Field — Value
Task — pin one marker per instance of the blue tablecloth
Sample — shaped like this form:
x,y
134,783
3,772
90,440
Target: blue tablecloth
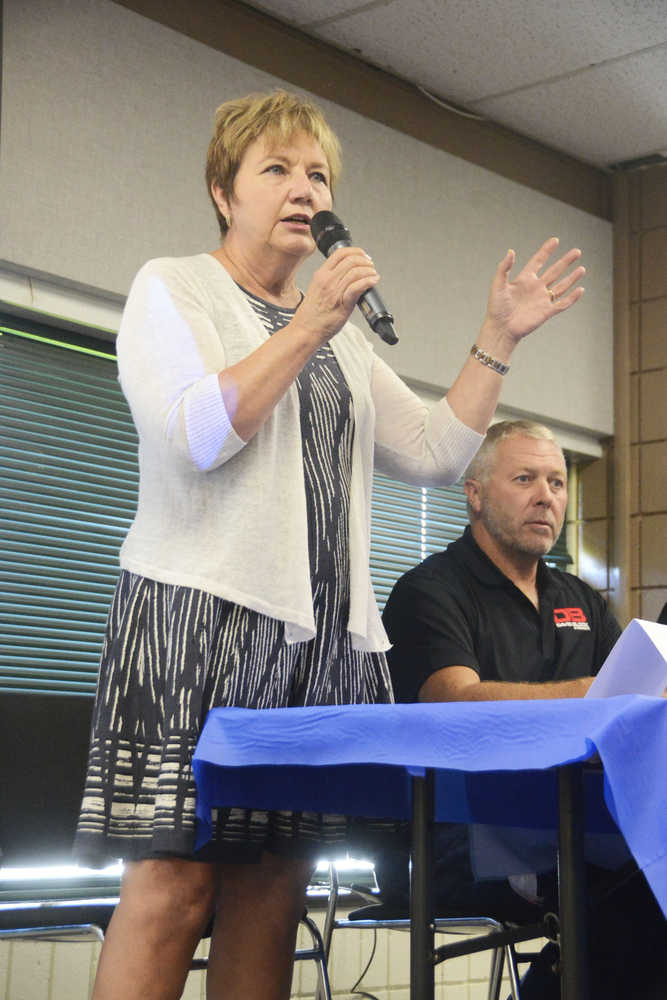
x,y
493,762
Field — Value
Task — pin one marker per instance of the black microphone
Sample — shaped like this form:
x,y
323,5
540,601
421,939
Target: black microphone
x,y
329,233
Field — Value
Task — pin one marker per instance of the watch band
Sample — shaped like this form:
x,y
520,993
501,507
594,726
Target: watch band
x,y
479,355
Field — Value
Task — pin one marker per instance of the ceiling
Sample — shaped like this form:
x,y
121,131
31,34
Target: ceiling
x,y
587,78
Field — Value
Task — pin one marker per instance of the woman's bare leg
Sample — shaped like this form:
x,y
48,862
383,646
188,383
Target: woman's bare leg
x,y
254,936
165,905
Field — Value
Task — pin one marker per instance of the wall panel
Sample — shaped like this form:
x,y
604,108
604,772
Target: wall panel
x,y
106,117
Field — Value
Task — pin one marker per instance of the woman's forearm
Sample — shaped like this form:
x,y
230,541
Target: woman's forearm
x,y
476,390
252,387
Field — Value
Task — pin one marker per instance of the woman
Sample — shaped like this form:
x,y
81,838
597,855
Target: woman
x,y
245,575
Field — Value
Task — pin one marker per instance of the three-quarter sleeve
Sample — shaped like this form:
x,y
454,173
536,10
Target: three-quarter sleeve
x,y
428,446
169,356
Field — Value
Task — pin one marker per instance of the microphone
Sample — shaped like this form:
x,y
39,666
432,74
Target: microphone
x,y
330,233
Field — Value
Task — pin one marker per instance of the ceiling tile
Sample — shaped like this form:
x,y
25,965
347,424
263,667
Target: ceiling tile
x,y
469,49
585,77
302,13
609,114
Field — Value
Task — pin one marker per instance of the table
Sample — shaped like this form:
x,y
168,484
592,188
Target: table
x,y
492,762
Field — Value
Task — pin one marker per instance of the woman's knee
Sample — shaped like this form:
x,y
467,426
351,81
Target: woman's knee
x,y
171,891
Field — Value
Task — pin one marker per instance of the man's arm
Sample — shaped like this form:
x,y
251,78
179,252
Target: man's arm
x,y
464,684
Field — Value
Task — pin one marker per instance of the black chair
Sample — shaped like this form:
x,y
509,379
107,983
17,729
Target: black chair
x,y
43,753
43,757
478,933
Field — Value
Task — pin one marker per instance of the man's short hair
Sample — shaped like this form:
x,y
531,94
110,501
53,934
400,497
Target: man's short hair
x,y
482,464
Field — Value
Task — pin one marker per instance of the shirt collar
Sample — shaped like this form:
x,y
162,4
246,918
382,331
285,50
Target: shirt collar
x,y
488,573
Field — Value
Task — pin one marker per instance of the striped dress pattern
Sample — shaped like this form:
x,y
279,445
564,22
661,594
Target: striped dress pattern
x,y
172,653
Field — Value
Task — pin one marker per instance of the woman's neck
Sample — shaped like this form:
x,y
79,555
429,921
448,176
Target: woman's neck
x,y
265,279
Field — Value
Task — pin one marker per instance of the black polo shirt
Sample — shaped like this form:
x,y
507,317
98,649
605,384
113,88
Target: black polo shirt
x,y
457,609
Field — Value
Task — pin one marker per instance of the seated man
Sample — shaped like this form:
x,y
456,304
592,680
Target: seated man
x,y
486,619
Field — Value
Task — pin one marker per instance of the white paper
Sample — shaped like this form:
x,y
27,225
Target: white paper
x,y
636,665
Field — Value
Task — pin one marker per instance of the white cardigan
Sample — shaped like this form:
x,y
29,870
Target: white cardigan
x,y
229,517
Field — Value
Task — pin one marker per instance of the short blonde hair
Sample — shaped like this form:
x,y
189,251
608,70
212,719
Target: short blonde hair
x,y
482,464
278,116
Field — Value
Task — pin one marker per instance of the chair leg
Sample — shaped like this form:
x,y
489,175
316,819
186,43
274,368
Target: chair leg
x,y
496,973
330,916
317,953
513,972
327,933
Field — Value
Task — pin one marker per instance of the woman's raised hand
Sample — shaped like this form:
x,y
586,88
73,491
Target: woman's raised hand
x,y
334,291
516,308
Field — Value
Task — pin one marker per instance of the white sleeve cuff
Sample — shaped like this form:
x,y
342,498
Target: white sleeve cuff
x,y
211,438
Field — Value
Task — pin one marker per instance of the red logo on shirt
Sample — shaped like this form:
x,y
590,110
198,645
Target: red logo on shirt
x,y
571,618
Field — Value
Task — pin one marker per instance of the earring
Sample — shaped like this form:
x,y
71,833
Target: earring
x,y
228,221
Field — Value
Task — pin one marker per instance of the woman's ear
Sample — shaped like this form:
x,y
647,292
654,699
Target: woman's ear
x,y
220,200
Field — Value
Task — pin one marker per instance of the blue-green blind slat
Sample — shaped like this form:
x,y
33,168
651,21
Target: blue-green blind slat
x,y
69,488
408,523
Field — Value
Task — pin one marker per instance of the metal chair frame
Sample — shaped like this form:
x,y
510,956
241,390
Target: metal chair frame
x,y
500,938
69,920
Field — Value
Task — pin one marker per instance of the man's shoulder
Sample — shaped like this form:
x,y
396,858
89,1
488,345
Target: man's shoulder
x,y
573,595
569,584
439,581
579,609
439,569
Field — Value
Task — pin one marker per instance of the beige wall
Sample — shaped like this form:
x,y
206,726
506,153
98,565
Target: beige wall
x,y
622,497
126,128
261,41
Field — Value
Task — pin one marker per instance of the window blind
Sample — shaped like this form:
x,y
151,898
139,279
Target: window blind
x,y
409,523
68,493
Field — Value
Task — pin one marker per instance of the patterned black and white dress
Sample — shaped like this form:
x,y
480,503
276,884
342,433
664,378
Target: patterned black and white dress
x,y
171,653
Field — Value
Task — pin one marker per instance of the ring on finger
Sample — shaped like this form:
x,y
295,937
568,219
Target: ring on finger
x,y
552,294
